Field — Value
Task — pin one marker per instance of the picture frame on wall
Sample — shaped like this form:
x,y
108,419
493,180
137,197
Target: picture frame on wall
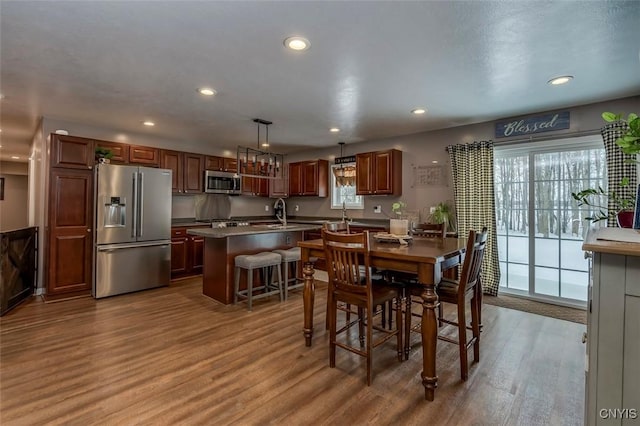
x,y
1,188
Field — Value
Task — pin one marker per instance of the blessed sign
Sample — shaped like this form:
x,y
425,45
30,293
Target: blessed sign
x,y
534,124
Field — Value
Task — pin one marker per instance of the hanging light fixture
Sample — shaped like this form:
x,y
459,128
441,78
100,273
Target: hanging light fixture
x,y
345,174
260,162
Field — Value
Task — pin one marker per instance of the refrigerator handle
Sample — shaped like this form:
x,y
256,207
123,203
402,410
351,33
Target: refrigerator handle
x,y
140,205
134,202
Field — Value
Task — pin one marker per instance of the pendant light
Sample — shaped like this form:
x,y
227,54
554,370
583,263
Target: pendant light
x,y
345,174
260,162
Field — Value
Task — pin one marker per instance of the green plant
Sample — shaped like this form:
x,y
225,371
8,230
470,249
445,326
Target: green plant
x,y
399,208
443,213
629,142
598,198
103,153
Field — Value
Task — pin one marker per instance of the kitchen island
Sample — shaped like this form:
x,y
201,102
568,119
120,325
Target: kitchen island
x,y
222,245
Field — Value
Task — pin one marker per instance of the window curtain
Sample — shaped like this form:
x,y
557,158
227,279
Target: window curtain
x,y
472,172
619,165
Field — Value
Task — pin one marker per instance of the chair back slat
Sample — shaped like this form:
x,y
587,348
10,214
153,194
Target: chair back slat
x,y
476,244
345,254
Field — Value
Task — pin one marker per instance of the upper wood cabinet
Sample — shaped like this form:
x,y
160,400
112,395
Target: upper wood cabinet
x,y
221,164
187,168
72,152
309,178
279,188
379,173
144,155
120,151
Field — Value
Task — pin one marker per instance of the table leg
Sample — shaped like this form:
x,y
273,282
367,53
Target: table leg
x,y
429,340
308,297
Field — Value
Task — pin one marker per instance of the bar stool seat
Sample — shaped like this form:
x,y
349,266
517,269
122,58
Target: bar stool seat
x,y
250,262
290,256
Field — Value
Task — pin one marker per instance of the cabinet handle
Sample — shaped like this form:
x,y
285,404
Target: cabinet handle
x,y
88,229
584,337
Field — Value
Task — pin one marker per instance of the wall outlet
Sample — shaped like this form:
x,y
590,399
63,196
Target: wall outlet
x,y
432,210
297,208
266,208
377,209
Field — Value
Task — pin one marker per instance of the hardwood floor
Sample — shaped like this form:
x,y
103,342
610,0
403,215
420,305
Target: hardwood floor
x,y
173,356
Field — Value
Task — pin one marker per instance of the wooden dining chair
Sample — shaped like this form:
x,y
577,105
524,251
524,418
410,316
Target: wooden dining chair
x,y
345,254
463,291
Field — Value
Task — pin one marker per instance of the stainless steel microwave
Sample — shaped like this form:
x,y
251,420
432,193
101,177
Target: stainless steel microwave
x,y
221,183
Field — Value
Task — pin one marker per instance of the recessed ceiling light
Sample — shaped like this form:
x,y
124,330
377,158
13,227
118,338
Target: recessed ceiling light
x,y
560,80
61,132
15,157
334,130
297,43
206,91
434,161
418,111
149,123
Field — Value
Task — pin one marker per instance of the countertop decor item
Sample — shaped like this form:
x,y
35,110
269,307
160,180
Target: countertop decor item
x,y
444,213
103,155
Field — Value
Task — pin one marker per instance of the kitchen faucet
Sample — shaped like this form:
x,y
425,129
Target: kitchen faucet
x,y
345,218
283,218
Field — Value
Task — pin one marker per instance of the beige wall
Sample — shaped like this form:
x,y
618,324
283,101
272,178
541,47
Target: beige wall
x,y
418,150
14,207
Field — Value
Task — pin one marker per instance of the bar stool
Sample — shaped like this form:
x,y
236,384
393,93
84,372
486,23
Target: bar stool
x,y
290,256
249,262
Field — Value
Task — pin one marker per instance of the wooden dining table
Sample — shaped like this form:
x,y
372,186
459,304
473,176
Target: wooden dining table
x,y
425,257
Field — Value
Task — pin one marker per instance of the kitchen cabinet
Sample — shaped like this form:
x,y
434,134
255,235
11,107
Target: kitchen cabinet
x,y
309,178
252,185
188,169
120,151
279,188
379,173
69,251
144,155
187,253
221,164
72,152
612,376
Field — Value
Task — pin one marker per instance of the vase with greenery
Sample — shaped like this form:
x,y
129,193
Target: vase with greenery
x,y
399,223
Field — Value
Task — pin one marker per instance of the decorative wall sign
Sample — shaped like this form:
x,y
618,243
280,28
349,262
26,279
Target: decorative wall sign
x,y
533,124
344,160
432,175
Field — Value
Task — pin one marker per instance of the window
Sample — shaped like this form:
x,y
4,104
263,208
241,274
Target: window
x,y
344,194
540,227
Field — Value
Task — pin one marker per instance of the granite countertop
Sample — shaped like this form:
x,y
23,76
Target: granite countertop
x,y
250,230
313,220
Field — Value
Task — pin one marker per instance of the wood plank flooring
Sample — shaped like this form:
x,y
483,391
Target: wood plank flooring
x,y
173,356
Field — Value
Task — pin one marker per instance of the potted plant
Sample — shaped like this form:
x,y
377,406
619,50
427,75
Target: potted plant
x,y
444,213
597,197
103,155
612,204
629,142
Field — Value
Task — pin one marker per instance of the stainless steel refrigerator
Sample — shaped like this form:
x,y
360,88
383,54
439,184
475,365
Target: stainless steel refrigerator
x,y
133,229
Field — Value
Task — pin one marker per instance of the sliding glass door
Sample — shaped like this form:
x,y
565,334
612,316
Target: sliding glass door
x,y
540,226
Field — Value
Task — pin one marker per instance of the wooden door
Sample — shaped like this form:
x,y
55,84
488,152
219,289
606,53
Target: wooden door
x,y
193,173
214,163
173,160
230,165
70,231
179,252
144,155
295,179
364,170
197,254
382,174
310,178
72,152
120,151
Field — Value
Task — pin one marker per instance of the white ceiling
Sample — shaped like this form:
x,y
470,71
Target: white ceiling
x,y
115,64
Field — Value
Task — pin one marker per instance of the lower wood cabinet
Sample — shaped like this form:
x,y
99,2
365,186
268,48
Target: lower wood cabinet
x,y
187,253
